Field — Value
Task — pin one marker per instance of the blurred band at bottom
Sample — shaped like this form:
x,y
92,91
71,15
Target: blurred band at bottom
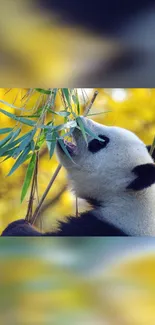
x,y
72,281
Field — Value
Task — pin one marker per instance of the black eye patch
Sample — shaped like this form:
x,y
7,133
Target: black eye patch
x,y
95,145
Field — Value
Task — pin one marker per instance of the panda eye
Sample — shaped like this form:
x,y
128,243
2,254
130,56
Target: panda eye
x,y
95,145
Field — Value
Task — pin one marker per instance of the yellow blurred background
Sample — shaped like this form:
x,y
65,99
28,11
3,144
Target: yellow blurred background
x,y
93,281
133,109
37,48
45,42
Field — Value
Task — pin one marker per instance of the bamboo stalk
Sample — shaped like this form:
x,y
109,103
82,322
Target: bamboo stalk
x,y
37,210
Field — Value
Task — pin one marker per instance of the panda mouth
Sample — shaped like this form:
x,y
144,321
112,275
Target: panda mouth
x,y
70,146
74,145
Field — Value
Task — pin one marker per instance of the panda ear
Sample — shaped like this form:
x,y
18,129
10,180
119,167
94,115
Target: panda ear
x,y
145,177
153,155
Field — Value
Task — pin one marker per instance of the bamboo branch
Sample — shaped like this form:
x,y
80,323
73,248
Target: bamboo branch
x,y
37,210
88,108
32,193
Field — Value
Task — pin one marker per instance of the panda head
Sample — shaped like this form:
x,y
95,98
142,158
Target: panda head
x,y
116,164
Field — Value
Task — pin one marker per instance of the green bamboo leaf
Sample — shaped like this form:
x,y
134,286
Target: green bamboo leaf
x,y
50,123
45,127
64,113
23,161
24,143
20,160
59,127
69,133
54,92
32,145
5,159
48,127
29,116
10,105
17,118
61,142
9,152
52,99
76,101
43,91
40,140
51,142
5,130
93,114
28,156
39,111
12,144
82,128
67,96
15,134
6,139
61,113
28,176
67,125
93,135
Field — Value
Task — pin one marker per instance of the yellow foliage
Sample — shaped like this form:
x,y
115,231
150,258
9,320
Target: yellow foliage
x,y
135,112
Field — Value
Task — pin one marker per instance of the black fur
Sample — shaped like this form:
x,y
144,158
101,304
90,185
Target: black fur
x,y
145,177
93,202
85,225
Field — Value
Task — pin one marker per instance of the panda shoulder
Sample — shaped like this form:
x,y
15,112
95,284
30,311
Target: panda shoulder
x,y
87,224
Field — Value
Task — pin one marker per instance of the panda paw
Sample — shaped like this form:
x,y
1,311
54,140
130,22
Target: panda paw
x,y
20,228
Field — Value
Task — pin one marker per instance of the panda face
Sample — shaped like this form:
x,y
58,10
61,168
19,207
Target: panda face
x,y
101,168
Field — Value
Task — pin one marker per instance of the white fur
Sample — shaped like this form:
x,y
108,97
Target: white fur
x,y
106,174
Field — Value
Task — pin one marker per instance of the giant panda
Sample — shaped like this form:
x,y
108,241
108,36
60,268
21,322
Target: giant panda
x,y
115,173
